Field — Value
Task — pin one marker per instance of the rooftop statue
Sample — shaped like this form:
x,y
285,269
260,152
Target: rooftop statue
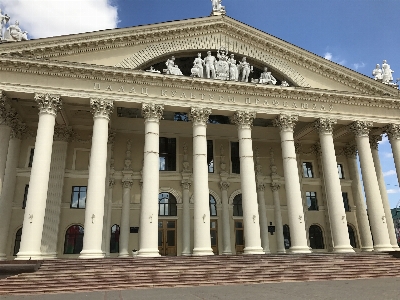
x,y
198,70
284,83
14,33
245,68
3,21
266,77
387,76
152,70
222,65
209,62
233,70
377,73
217,8
172,68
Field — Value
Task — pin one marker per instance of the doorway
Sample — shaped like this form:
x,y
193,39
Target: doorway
x,y
167,237
214,235
239,237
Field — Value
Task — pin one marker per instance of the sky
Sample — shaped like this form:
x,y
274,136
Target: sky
x,y
357,34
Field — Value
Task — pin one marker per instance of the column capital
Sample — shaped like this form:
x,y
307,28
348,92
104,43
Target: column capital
x,y
8,115
186,184
152,111
127,183
393,131
286,122
360,128
111,183
316,149
374,141
48,103
260,186
101,108
224,185
18,130
243,119
350,151
275,186
62,133
199,116
325,125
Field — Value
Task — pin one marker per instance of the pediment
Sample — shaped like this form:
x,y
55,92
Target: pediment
x,y
137,48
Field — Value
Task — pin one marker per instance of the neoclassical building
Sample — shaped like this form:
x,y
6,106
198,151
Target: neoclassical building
x,y
107,150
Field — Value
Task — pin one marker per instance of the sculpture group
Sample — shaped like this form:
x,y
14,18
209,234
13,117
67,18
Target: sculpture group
x,y
13,33
383,74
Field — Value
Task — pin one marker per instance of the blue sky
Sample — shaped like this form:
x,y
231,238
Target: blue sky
x,y
355,33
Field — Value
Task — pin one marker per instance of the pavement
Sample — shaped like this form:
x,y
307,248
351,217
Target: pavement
x,y
364,289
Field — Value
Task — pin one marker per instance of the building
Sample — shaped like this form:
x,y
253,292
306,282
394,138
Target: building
x,y
106,148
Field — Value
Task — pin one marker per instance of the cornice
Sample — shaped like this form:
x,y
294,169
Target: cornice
x,y
127,76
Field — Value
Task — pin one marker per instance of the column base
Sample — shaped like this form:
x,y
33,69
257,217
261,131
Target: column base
x,y
202,251
298,250
186,254
253,250
29,256
281,251
148,253
3,256
49,256
227,253
383,248
367,249
123,255
343,249
395,248
88,254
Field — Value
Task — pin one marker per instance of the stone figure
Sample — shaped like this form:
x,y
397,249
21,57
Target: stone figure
x,y
209,62
233,71
387,76
172,69
152,70
377,73
222,65
245,69
284,83
198,70
217,7
3,21
14,33
266,77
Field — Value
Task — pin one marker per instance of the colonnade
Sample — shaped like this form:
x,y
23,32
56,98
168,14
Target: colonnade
x,y
255,223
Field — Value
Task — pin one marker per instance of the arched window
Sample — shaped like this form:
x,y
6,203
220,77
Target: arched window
x,y
166,204
352,236
17,242
73,240
316,237
114,239
213,206
237,206
286,236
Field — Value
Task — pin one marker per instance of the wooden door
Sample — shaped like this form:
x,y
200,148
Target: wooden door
x,y
167,237
239,237
214,235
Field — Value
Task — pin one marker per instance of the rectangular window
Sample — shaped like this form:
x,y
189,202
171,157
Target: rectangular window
x,y
31,154
312,202
235,160
78,197
210,156
307,170
25,196
340,171
167,154
345,201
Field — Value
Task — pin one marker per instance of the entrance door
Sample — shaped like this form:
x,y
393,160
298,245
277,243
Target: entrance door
x,y
239,237
214,235
167,237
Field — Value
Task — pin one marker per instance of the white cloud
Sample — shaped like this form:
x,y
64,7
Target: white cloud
x,y
336,59
388,154
46,18
393,191
389,173
328,56
357,66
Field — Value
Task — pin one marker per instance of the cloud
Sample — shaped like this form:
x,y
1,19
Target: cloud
x,y
357,66
389,173
393,191
48,18
336,59
328,56
388,154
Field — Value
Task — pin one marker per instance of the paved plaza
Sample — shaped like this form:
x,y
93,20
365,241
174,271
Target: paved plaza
x,y
366,289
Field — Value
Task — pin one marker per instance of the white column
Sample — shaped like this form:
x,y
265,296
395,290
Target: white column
x,y
94,212
7,194
39,180
294,200
148,236
376,213
226,226
361,211
127,182
263,217
280,241
201,234
251,221
186,218
337,214
382,187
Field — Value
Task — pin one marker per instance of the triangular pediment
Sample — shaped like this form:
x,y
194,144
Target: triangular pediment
x,y
137,48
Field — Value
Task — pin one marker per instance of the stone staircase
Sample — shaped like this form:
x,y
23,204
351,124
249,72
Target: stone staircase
x,y
67,276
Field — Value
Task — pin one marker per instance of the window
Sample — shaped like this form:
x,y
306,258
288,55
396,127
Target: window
x,y
167,154
73,243
213,206
114,239
210,156
352,236
182,117
166,204
235,160
237,206
307,170
17,242
286,236
316,237
31,154
345,201
312,202
78,197
25,196
340,171
218,119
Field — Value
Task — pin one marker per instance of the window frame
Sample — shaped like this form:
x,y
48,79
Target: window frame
x,y
318,244
235,160
307,169
311,197
114,238
170,157
210,198
346,205
26,191
237,207
77,236
340,171
210,157
172,210
79,192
